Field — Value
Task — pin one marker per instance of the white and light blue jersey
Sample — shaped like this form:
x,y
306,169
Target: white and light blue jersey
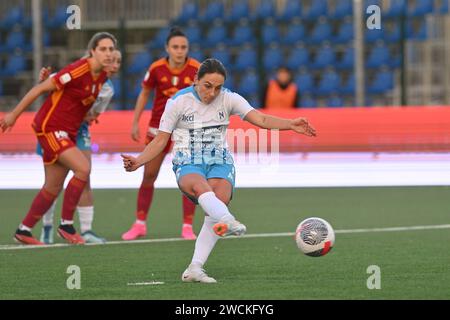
x,y
104,97
199,130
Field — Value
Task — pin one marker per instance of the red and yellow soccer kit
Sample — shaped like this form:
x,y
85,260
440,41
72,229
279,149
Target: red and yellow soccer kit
x,y
58,120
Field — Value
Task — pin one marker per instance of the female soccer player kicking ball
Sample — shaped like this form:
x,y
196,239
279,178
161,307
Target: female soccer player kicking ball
x,y
72,92
198,117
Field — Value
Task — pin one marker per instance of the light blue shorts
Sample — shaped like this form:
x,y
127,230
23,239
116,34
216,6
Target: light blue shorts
x,y
208,171
83,139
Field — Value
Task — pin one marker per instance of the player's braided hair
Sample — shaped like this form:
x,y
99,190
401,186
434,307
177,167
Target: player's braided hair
x,y
96,38
211,65
175,32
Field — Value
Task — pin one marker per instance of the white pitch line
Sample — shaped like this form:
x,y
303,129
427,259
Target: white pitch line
x,y
258,235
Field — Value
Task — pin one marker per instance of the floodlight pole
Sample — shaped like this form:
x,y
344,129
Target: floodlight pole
x,y
358,25
37,41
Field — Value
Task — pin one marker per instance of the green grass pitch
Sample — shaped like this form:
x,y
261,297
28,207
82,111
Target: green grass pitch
x,y
414,264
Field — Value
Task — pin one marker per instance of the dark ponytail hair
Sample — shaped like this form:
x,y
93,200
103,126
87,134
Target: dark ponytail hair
x,y
175,32
96,38
211,65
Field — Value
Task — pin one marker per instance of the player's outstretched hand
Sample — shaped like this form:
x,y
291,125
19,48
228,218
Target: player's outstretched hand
x,y
44,73
130,163
7,122
135,134
301,125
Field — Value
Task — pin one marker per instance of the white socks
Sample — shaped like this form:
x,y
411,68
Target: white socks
x,y
206,240
215,208
47,219
86,215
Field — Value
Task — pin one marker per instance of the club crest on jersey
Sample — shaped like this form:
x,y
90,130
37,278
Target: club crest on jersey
x,y
187,117
65,78
221,115
175,80
61,135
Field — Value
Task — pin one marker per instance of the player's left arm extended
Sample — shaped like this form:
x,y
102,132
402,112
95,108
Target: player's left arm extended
x,y
265,121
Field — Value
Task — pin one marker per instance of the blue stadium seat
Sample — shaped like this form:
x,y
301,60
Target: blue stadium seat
x,y
321,32
324,57
229,82
379,56
189,12
193,33
159,40
221,53
307,101
295,32
14,16
298,57
270,33
345,32
59,18
196,53
396,9
343,9
349,86
117,84
373,35
140,62
266,9
304,82
16,39
1,85
383,82
443,8
245,59
318,8
335,101
272,58
329,83
242,34
253,100
216,35
421,32
248,84
15,64
292,9
239,10
393,34
214,10
421,8
347,60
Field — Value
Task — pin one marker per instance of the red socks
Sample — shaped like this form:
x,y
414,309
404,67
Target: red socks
x,y
41,203
188,210
144,200
72,197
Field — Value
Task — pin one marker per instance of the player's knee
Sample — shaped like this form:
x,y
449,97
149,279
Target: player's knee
x,y
200,188
225,198
53,188
83,172
149,178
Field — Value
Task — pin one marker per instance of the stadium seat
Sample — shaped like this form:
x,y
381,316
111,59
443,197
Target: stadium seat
x,y
295,32
373,35
193,33
117,84
272,58
345,32
324,57
159,40
248,84
14,16
379,56
216,35
15,64
270,33
59,18
239,10
347,60
396,9
245,59
1,85
229,82
253,100
242,34
318,8
266,9
298,57
221,53
307,101
349,86
16,39
343,9
421,8
383,82
304,82
189,12
292,9
214,10
321,32
196,53
421,32
140,62
443,8
329,83
335,101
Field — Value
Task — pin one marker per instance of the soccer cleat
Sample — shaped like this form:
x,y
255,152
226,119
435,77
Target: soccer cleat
x,y
187,232
25,237
91,237
231,228
196,274
137,230
47,234
68,233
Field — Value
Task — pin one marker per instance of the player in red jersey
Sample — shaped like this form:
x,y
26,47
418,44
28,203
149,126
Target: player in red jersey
x,y
166,76
72,91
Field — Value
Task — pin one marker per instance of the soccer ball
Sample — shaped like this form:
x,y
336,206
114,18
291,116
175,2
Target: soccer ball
x,y
314,237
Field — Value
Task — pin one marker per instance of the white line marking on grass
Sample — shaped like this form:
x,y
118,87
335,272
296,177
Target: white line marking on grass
x,y
151,283
258,235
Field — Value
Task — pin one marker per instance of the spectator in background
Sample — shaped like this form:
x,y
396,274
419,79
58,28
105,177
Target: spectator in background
x,y
281,92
